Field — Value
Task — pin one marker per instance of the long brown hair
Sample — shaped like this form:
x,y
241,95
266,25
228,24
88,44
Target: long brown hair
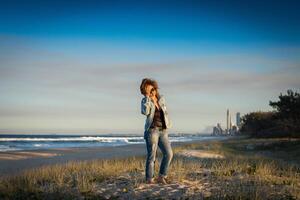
x,y
149,81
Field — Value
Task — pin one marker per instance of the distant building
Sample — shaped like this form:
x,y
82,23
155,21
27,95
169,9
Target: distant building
x,y
231,129
238,119
234,130
230,122
217,130
227,121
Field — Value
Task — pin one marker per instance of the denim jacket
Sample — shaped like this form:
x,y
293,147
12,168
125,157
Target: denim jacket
x,y
148,109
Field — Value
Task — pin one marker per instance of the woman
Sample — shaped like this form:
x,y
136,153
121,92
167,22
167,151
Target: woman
x,y
157,122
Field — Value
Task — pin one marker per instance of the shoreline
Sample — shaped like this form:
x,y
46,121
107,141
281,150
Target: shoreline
x,y
15,162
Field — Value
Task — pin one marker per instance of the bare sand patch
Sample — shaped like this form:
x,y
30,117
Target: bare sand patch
x,y
200,154
126,187
24,155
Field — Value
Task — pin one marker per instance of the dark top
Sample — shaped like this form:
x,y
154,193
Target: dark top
x,y
158,119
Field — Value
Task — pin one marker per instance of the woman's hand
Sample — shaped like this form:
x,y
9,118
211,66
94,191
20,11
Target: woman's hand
x,y
148,90
151,93
153,97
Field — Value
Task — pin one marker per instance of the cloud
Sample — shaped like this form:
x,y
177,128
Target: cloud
x,y
208,73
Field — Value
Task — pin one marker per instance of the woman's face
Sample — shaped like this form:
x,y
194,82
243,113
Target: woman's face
x,y
150,90
154,92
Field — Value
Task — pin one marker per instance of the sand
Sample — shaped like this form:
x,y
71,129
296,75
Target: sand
x,y
24,155
123,187
14,162
200,154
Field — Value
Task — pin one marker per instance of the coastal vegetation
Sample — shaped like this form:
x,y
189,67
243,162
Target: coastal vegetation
x,y
282,121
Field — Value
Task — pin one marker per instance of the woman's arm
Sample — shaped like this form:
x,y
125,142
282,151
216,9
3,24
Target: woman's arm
x,y
146,105
164,107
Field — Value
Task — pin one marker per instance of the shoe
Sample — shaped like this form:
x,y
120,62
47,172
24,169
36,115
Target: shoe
x,y
162,180
150,181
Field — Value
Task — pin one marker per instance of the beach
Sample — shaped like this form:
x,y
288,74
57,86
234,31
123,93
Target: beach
x,y
223,168
13,162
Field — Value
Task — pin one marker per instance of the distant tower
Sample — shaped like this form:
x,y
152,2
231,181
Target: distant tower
x,y
227,122
230,122
238,119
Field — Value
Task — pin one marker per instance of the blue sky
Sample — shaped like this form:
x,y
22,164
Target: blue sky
x,y
76,66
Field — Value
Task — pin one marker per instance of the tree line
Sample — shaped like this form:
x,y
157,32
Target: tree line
x,y
282,121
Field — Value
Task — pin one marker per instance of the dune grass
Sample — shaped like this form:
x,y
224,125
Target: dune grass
x,y
252,169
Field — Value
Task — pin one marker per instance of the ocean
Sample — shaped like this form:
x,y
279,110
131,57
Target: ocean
x,y
28,142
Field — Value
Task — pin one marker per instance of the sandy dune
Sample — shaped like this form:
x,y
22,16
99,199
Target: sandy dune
x,y
200,154
132,186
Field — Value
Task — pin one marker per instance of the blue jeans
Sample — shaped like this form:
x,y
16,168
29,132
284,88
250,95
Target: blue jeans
x,y
157,137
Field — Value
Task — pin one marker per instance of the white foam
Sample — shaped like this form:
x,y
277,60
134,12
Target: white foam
x,y
7,148
74,139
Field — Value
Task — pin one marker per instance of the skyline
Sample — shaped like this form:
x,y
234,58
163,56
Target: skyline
x,y
78,66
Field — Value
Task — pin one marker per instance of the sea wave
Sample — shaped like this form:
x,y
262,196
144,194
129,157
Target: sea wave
x,y
7,148
12,143
74,139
